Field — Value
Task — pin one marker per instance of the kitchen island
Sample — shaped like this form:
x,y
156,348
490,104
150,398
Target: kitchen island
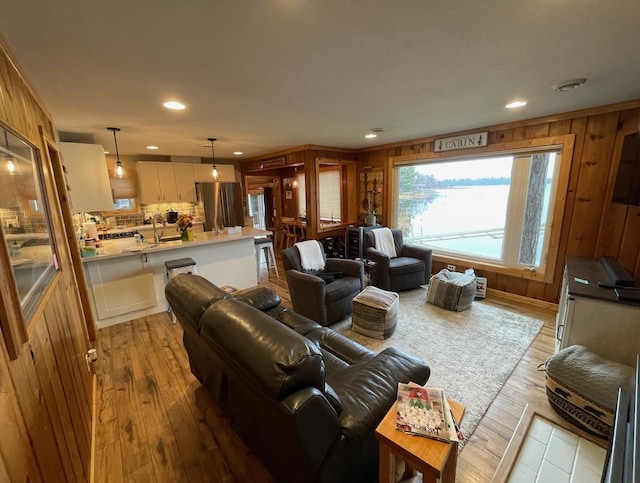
x,y
127,280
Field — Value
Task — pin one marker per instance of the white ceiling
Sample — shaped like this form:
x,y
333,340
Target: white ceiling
x,y
268,75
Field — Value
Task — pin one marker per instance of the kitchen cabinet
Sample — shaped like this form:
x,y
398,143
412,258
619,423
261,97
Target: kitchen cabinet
x,y
87,177
165,182
593,316
202,172
121,286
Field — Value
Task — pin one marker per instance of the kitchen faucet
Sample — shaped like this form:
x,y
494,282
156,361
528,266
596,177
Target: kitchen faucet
x,y
156,237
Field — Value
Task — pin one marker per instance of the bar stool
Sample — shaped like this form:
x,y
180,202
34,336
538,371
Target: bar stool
x,y
176,267
265,245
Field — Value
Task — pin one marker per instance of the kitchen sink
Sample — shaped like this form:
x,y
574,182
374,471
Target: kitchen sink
x,y
169,238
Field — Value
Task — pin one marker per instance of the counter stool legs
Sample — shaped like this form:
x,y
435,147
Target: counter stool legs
x,y
176,267
265,245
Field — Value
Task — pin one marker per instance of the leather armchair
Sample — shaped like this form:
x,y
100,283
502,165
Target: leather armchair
x,y
410,269
322,302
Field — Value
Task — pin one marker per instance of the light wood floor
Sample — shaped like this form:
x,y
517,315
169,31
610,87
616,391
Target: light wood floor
x,y
153,425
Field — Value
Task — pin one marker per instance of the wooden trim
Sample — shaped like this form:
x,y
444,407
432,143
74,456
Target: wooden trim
x,y
566,143
521,300
94,425
593,111
72,243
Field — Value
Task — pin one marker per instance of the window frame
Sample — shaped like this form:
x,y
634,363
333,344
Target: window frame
x,y
565,147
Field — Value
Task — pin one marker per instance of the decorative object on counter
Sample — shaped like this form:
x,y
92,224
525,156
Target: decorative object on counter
x,y
172,216
214,170
119,170
184,225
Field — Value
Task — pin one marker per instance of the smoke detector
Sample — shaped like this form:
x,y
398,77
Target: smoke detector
x,y
569,85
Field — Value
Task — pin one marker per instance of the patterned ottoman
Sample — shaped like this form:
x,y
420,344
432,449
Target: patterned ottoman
x,y
375,312
583,387
452,290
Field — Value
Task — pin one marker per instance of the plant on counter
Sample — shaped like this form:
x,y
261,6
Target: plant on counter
x,y
184,222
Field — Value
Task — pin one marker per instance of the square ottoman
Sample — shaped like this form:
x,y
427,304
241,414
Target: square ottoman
x,y
375,312
583,388
452,290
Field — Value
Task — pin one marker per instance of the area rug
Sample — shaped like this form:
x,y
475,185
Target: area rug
x,y
471,353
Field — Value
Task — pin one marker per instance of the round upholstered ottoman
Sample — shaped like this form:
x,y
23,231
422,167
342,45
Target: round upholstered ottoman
x,y
583,387
452,290
375,312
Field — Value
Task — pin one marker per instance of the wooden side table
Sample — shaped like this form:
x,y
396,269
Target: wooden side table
x,y
436,460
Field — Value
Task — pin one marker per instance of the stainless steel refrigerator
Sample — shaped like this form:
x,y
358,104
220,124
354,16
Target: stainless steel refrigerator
x,y
227,198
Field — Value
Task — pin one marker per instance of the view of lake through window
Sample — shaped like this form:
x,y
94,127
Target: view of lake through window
x,y
479,208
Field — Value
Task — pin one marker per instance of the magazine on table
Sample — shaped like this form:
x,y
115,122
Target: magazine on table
x,y
426,412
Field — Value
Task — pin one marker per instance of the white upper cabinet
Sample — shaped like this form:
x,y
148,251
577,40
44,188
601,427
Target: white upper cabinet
x,y
87,177
163,182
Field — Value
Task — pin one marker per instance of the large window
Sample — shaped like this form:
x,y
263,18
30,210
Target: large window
x,y
329,198
24,221
491,209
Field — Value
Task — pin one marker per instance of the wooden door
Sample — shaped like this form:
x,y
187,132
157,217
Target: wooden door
x,y
167,180
185,183
148,183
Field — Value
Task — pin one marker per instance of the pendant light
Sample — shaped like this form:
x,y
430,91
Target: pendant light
x,y
295,177
119,170
214,169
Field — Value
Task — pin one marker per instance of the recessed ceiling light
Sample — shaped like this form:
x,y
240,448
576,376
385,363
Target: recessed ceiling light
x,y
152,147
516,104
569,85
174,105
373,133
238,153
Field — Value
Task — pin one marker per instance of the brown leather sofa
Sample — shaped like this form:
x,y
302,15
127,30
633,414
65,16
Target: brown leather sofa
x,y
410,269
305,399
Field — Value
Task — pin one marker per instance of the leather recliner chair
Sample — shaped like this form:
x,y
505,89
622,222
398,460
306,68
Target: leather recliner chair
x,y
410,269
313,297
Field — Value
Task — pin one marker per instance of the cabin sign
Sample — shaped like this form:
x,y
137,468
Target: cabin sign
x,y
461,142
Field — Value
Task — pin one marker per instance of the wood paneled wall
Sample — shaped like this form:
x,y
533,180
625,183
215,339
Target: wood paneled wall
x,y
592,225
46,392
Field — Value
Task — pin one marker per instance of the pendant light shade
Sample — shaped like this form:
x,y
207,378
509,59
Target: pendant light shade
x,y
119,170
214,170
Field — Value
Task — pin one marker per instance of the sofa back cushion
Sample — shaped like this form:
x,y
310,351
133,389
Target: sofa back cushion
x,y
190,296
261,350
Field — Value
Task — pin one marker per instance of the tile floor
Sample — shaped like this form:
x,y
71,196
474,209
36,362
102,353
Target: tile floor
x,y
550,453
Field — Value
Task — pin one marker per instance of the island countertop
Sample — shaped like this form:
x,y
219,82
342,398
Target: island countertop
x,y
125,247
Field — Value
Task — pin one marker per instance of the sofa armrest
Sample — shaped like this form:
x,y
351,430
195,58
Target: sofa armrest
x,y
311,409
340,346
308,294
383,277
420,252
367,390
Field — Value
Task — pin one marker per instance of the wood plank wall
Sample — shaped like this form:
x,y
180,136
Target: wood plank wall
x,y
46,392
592,225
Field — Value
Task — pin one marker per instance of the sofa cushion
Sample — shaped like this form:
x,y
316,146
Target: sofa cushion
x,y
275,358
261,298
404,265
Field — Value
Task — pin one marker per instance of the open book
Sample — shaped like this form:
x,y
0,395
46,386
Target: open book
x,y
425,412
